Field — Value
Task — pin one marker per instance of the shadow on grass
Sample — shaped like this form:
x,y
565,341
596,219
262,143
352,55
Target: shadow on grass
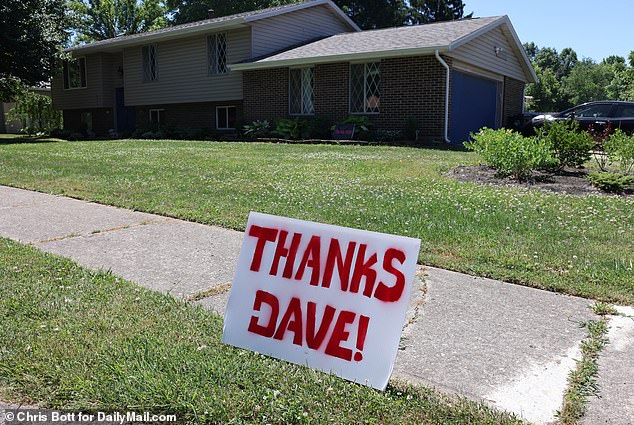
x,y
13,139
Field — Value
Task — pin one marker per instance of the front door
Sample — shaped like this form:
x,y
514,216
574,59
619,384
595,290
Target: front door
x,y
126,115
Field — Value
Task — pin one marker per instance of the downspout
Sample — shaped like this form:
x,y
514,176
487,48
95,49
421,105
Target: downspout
x,y
446,127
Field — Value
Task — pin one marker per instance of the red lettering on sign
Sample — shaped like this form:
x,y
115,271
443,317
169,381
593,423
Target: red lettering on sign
x,y
393,293
363,268
264,235
353,268
270,299
293,321
314,340
343,266
311,259
339,335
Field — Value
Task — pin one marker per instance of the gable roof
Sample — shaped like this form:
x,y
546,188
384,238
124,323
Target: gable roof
x,y
223,22
391,42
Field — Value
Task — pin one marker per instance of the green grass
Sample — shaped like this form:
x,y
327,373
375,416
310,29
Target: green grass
x,y
75,339
577,245
582,382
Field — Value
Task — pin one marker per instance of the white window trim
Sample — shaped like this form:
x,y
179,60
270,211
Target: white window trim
x,y
365,88
67,83
158,115
226,108
299,114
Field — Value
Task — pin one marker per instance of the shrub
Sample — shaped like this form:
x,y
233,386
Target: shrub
x,y
260,128
387,136
36,113
316,128
289,128
600,136
571,147
620,147
509,152
610,182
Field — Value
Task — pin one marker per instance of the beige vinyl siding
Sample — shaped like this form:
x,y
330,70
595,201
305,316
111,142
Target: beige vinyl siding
x,y
280,32
183,74
92,96
481,53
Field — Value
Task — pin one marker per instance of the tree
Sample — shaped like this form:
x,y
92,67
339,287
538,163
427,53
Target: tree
x,y
372,14
184,11
32,33
102,19
426,11
531,50
36,113
567,60
546,93
587,82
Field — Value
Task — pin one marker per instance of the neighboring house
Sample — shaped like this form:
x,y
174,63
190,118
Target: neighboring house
x,y
304,59
14,126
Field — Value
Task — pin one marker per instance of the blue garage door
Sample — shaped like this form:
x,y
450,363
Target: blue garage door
x,y
473,105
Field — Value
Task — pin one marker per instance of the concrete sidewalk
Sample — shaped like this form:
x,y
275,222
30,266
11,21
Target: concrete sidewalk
x,y
504,344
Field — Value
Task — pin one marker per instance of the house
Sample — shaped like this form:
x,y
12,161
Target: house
x,y
304,59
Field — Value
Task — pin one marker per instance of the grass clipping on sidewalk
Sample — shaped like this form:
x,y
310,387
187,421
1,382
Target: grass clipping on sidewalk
x,y
75,339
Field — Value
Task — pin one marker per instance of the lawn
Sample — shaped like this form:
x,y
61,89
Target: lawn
x,y
576,245
80,340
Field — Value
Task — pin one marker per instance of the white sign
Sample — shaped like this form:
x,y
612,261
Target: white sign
x,y
328,297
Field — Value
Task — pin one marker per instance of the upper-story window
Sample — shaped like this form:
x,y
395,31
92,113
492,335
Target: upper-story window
x,y
75,73
217,51
150,62
301,91
365,88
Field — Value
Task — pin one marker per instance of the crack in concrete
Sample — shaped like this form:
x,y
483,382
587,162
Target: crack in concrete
x,y
415,312
97,231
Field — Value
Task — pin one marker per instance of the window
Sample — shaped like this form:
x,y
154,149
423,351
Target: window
x,y
150,62
75,73
217,51
365,88
157,117
226,117
625,111
592,111
86,121
301,91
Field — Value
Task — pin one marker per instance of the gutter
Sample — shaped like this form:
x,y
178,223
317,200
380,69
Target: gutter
x,y
448,75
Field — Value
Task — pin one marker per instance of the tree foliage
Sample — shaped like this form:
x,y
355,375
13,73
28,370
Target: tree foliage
x,y
368,14
31,35
35,112
566,81
102,19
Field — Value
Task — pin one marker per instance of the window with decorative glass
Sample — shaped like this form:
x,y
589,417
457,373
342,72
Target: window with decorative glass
x,y
301,91
365,88
217,52
150,62
75,73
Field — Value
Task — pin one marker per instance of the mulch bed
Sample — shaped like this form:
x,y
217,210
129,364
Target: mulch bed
x,y
567,181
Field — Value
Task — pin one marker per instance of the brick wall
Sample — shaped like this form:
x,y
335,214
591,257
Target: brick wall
x,y
410,87
513,99
102,120
265,94
186,115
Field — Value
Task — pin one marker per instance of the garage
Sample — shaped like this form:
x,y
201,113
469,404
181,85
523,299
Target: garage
x,y
474,104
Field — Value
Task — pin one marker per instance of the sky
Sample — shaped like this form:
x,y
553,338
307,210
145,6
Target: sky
x,y
594,29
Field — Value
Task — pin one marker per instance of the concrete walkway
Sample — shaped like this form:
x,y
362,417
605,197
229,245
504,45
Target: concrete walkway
x,y
504,344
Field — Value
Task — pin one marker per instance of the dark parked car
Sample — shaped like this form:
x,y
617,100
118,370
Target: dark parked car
x,y
596,115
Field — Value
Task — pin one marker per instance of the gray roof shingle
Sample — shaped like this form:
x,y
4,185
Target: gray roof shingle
x,y
435,35
192,26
